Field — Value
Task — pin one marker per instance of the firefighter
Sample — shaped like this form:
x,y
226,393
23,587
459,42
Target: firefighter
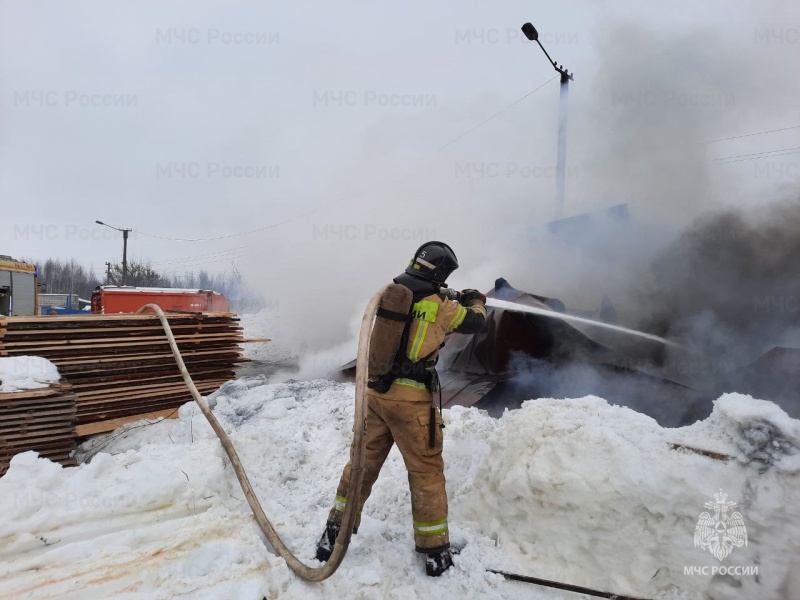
x,y
400,402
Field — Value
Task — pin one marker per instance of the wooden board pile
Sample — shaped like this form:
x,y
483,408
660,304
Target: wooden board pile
x,y
42,420
121,365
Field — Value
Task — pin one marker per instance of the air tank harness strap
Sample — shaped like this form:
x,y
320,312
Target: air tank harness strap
x,y
393,316
419,372
436,386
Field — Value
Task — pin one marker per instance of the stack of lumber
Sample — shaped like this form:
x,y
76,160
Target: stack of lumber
x,y
121,366
42,420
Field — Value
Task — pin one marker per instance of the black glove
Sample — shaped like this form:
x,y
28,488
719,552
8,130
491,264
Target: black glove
x,y
468,297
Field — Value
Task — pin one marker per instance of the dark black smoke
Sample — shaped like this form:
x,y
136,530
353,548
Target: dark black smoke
x,y
729,287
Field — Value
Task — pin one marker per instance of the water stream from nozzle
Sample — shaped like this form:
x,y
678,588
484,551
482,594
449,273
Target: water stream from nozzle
x,y
494,302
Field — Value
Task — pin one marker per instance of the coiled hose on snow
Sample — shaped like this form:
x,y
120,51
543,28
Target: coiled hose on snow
x,y
356,451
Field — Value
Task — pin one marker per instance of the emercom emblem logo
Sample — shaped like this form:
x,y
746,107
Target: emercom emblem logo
x,y
721,531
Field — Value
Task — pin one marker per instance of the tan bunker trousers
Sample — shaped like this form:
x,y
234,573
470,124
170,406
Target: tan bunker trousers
x,y
405,423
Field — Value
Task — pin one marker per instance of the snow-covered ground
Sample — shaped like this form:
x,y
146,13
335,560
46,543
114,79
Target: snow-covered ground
x,y
570,490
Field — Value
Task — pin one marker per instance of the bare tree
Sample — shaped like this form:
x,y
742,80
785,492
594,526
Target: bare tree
x,y
66,277
140,274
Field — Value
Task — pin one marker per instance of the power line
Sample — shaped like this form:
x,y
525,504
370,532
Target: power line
x,y
173,269
757,155
194,258
744,135
199,263
225,237
497,114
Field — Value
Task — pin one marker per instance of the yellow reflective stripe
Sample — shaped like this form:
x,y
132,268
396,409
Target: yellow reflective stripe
x,y
439,530
431,527
458,318
410,383
423,312
422,330
339,503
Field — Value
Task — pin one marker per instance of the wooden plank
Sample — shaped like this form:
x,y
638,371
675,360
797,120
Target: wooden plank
x,y
63,421
27,418
708,453
37,393
5,321
14,416
90,330
53,354
10,429
117,382
122,357
114,398
83,397
55,344
11,341
83,384
109,323
36,403
106,404
111,416
111,425
104,345
116,413
22,439
83,372
133,405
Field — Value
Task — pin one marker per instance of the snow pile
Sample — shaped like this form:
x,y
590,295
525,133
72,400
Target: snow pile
x,y
571,490
18,373
596,495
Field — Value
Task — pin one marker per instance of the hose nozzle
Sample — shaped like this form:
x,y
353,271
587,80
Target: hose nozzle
x,y
450,293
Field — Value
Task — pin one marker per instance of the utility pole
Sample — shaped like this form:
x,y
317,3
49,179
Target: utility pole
x,y
124,249
108,273
561,161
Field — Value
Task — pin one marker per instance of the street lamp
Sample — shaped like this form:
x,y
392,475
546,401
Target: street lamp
x,y
124,249
561,164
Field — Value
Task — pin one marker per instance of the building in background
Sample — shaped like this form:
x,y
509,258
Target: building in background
x,y
18,287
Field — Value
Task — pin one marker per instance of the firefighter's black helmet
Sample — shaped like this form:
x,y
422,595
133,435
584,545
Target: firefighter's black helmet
x,y
433,261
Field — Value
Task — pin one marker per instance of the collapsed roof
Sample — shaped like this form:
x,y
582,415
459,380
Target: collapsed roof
x,y
522,356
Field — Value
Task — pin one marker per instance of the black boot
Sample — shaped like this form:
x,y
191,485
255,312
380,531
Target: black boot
x,y
326,542
438,562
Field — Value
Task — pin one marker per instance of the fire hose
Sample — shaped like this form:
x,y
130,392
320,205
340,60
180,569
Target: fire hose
x,y
356,451
357,461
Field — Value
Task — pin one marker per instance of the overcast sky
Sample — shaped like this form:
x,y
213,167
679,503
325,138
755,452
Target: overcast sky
x,y
204,120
